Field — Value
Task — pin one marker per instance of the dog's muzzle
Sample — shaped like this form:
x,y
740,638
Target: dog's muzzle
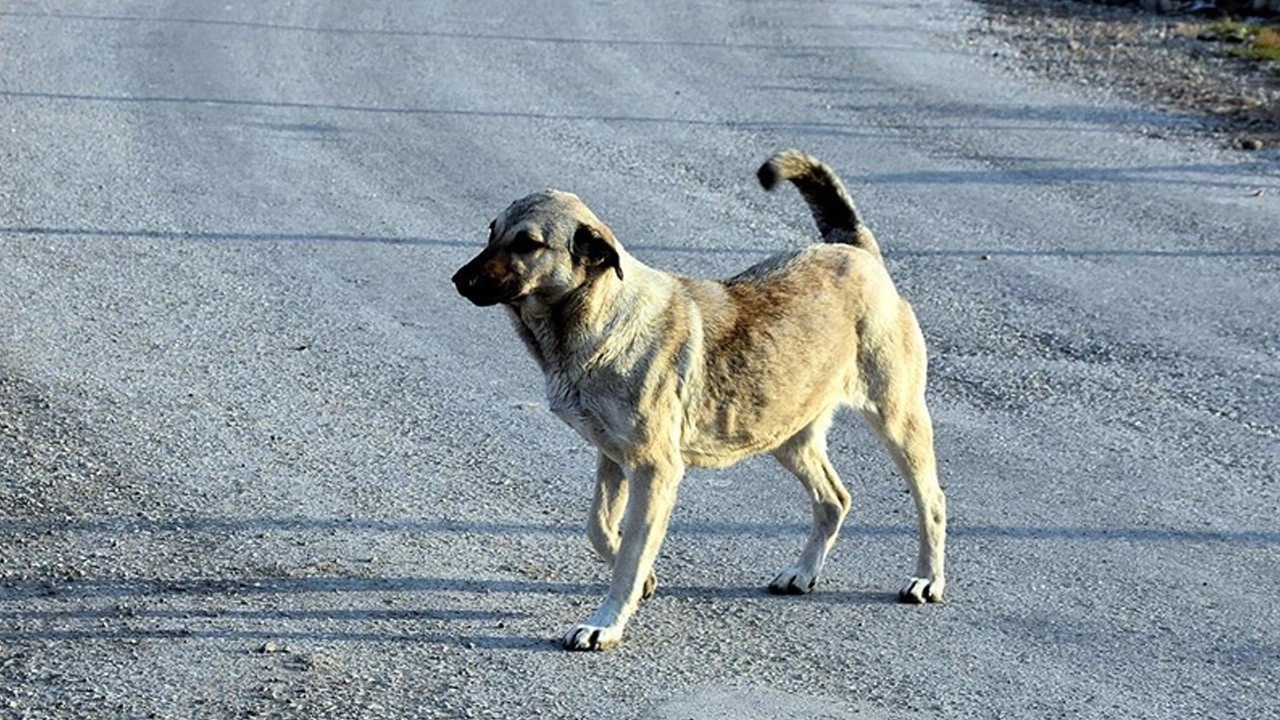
x,y
476,285
469,286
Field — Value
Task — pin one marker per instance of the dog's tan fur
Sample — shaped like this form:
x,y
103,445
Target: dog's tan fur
x,y
662,372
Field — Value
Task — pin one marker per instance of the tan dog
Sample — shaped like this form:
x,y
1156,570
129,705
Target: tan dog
x,y
662,372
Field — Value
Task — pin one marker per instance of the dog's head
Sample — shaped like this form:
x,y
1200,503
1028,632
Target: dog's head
x,y
544,246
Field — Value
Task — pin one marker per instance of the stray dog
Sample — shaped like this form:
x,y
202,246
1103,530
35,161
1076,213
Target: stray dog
x,y
661,372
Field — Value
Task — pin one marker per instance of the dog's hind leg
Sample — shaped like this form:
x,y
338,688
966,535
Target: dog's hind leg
x,y
607,505
805,455
908,433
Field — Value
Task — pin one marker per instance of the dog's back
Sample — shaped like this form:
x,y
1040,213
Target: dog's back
x,y
784,338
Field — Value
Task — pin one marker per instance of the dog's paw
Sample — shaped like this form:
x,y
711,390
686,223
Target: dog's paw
x,y
591,637
793,580
650,586
922,590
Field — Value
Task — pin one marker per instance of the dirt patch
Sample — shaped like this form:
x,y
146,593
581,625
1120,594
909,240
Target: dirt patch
x,y
1196,66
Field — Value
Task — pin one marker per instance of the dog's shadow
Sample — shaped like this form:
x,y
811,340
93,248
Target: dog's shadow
x,y
761,593
214,609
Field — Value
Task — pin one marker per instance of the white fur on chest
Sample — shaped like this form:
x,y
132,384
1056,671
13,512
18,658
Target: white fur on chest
x,y
592,367
597,417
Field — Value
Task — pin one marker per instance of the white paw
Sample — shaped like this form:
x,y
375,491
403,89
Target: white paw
x,y
794,580
922,590
591,637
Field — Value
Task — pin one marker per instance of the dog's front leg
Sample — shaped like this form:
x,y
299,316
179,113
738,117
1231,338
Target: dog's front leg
x,y
650,497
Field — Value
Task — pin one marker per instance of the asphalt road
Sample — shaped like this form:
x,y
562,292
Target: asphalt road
x,y
258,459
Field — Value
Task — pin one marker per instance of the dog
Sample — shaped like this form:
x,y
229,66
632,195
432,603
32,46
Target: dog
x,y
662,372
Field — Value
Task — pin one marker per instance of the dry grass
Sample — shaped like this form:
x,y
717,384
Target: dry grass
x,y
1248,40
1266,44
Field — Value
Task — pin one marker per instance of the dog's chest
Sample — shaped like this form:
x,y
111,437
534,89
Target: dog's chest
x,y
574,402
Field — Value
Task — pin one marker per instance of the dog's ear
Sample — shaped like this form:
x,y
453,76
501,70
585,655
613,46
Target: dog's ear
x,y
596,247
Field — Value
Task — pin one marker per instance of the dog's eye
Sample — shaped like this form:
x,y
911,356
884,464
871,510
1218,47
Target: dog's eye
x,y
523,244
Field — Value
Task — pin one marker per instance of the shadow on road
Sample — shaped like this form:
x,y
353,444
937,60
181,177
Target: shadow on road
x,y
488,642
639,247
437,34
126,617
223,525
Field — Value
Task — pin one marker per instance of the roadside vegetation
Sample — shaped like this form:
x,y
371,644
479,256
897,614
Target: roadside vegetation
x,y
1211,62
1245,39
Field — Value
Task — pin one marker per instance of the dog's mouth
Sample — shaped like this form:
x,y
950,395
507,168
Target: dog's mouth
x,y
491,300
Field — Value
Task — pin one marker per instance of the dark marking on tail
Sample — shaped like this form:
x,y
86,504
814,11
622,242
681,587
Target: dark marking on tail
x,y
833,210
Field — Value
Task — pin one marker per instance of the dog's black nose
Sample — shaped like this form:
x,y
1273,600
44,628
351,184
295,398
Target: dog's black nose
x,y
467,282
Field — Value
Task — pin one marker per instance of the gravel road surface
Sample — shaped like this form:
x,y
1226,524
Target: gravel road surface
x,y
257,459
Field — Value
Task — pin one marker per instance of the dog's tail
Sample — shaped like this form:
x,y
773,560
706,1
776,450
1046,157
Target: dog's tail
x,y
833,210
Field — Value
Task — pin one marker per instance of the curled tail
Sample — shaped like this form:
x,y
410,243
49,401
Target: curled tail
x,y
833,210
